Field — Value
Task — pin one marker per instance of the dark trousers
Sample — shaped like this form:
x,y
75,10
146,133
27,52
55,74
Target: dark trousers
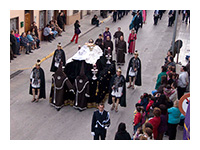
x,y
18,47
96,23
180,91
156,20
114,17
100,133
172,131
136,27
170,21
28,48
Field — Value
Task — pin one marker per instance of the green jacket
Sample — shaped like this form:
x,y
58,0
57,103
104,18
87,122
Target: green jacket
x,y
158,82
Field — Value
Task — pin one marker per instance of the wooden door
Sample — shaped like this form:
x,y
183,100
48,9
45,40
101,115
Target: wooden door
x,y
28,20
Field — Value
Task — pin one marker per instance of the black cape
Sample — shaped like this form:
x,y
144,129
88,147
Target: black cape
x,y
122,100
138,80
42,85
63,60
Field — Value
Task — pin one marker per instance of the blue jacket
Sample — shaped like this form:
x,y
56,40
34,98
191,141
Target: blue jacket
x,y
30,38
174,115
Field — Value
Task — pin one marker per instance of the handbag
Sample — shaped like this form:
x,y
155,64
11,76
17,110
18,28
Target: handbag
x,y
78,31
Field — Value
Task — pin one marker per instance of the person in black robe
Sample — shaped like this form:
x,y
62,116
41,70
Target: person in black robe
x,y
121,51
134,71
59,56
100,122
37,83
117,93
108,44
117,36
82,90
99,42
60,83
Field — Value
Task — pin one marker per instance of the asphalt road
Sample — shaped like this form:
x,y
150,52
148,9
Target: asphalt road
x,y
40,121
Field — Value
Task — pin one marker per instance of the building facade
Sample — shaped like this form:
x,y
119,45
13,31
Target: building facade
x,y
22,19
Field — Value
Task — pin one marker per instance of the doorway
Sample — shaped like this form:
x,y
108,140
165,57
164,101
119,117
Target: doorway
x,y
28,19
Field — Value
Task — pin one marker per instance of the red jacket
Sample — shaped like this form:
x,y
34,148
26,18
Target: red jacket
x,y
149,105
155,121
137,118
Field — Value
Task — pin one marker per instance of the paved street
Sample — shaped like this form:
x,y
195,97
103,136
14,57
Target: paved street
x,y
40,121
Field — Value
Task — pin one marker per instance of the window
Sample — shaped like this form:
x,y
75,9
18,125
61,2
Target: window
x,y
42,19
14,24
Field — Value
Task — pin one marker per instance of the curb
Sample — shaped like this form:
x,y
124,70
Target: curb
x,y
18,71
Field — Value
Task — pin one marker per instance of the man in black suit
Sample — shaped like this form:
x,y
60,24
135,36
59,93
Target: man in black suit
x,y
138,21
100,122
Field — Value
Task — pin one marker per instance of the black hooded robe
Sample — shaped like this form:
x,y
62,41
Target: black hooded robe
x,y
42,85
122,100
63,60
138,80
82,90
60,83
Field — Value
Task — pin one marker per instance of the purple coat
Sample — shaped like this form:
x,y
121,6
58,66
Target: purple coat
x,y
163,123
105,34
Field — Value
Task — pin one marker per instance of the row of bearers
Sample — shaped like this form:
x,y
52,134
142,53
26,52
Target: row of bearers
x,y
117,94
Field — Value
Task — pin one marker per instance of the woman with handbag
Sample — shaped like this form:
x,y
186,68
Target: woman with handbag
x,y
77,31
131,42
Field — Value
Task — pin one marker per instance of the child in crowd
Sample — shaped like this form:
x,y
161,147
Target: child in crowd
x,y
137,119
138,133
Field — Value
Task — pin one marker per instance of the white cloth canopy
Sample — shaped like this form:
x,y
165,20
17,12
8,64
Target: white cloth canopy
x,y
90,53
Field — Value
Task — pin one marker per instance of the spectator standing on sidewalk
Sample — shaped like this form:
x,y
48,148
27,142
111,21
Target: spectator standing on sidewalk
x,y
100,122
122,134
18,41
34,26
155,121
182,82
60,20
13,41
58,29
173,120
163,73
77,31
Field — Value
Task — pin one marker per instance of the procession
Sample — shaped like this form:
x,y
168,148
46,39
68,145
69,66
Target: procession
x,y
110,81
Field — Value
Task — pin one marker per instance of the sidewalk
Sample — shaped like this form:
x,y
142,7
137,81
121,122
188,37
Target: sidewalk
x,y
24,61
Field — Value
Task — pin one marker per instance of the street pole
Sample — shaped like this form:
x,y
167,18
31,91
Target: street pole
x,y
174,33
